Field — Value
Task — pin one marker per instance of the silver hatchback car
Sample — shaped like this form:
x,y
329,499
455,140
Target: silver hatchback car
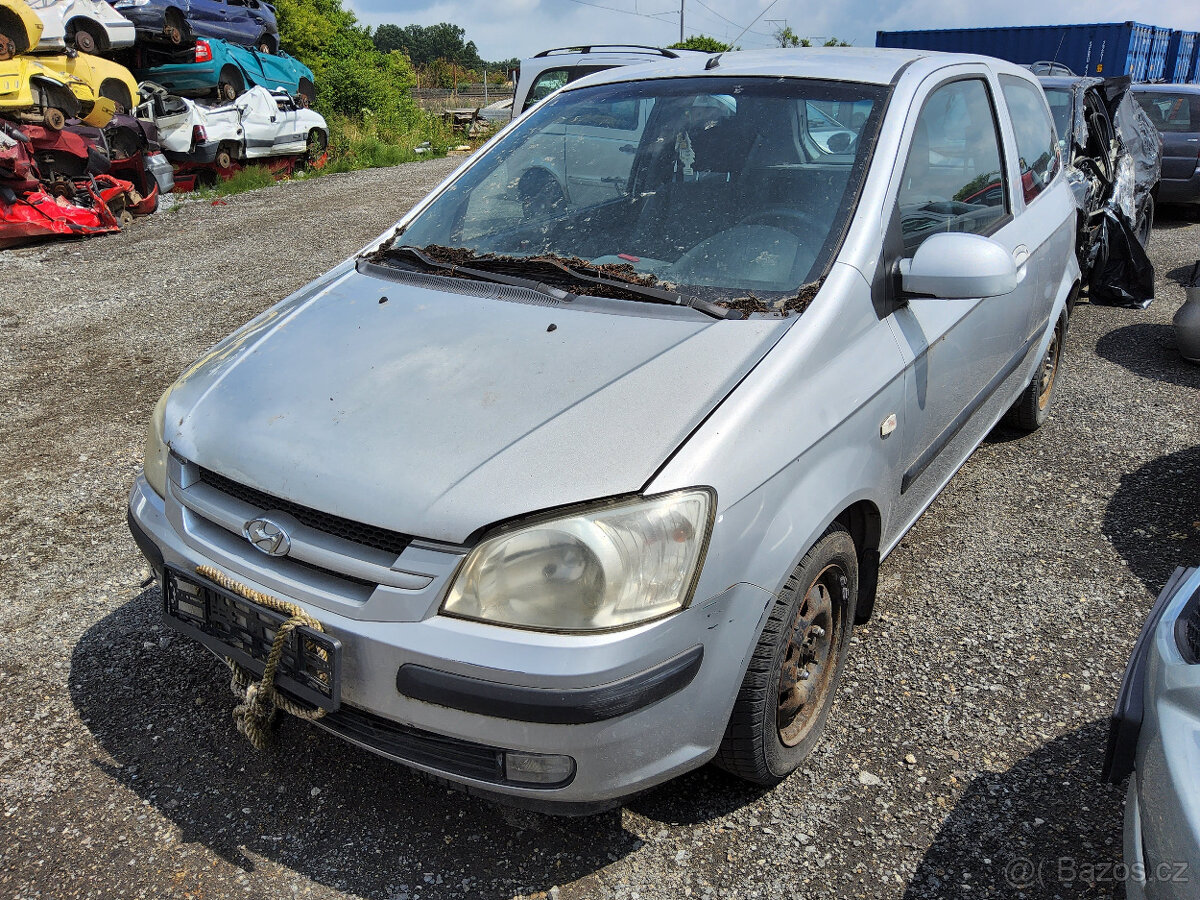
x,y
582,475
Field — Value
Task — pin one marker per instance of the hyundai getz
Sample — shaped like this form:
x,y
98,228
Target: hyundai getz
x,y
586,469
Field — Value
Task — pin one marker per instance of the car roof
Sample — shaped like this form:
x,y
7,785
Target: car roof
x,y
872,65
1067,81
1171,88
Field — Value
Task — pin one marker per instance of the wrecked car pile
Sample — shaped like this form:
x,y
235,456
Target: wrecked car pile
x,y
1113,155
75,162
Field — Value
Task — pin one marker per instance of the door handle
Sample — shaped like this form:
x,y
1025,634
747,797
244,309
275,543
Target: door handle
x,y
627,148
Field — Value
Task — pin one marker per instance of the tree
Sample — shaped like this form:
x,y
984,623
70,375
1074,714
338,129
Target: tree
x,y
787,38
425,43
701,42
834,42
351,74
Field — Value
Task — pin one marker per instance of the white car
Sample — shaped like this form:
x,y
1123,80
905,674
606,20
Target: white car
x,y
257,125
89,26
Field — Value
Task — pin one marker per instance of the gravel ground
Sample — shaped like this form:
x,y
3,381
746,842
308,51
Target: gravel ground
x,y
967,738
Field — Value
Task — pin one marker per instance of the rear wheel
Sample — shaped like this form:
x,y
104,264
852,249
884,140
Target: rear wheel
x,y
266,44
84,40
1032,408
118,93
308,93
230,85
8,48
55,119
175,28
793,675
224,158
315,146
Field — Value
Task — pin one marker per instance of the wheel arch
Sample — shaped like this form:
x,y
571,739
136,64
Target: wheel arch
x,y
103,42
865,524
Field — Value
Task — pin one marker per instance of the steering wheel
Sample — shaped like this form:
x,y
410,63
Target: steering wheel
x,y
772,215
540,194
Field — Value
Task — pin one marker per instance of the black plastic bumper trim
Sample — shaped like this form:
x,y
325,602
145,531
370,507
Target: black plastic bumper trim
x,y
574,706
1125,724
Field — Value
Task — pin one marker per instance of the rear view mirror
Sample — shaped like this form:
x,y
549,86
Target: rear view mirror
x,y
956,266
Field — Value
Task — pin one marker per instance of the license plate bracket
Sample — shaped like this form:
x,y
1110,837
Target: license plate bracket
x,y
235,628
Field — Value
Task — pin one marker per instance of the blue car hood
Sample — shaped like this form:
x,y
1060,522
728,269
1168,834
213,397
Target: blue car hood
x,y
436,414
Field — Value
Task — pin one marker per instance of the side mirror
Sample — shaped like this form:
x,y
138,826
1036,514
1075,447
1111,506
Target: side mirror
x,y
957,266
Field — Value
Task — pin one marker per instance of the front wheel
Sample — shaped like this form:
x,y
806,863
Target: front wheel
x,y
797,664
1032,408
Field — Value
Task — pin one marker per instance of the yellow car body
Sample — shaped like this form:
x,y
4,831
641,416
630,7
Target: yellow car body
x,y
77,84
103,77
20,25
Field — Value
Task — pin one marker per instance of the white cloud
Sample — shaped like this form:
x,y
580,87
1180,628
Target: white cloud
x,y
523,27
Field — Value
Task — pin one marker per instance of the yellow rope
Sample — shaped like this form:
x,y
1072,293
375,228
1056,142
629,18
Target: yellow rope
x,y
261,699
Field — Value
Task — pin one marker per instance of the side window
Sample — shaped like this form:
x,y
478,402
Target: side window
x,y
954,176
547,83
1036,145
1171,112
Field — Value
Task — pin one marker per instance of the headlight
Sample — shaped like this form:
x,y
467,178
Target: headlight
x,y
155,466
611,567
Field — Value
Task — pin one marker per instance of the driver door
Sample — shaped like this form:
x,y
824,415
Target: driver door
x,y
956,177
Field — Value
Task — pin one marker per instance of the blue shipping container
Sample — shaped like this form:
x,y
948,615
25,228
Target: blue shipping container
x,y
1181,57
1104,49
1158,55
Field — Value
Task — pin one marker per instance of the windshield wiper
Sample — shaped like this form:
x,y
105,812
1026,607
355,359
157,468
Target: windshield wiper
x,y
659,295
483,274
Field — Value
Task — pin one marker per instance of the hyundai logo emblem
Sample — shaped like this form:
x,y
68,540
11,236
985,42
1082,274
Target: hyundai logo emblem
x,y
268,536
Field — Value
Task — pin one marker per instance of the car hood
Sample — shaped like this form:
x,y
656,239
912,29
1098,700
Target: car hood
x,y
436,414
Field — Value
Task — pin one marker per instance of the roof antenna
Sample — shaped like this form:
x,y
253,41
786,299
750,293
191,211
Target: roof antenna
x,y
1054,62
714,61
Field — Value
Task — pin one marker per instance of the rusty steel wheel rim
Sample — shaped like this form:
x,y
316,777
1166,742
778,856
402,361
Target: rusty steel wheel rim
x,y
809,658
1048,372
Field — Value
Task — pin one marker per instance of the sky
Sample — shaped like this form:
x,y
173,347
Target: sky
x,y
506,28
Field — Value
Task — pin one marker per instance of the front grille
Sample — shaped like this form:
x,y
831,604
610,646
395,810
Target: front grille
x,y
1187,630
359,533
414,745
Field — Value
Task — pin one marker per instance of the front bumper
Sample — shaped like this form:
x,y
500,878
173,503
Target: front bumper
x,y
159,168
445,696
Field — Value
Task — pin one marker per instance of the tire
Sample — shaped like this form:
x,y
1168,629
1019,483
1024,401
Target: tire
x,y
118,93
1032,408
308,93
230,85
774,727
1145,223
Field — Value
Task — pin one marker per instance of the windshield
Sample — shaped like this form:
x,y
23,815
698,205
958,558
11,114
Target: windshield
x,y
718,188
1060,107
